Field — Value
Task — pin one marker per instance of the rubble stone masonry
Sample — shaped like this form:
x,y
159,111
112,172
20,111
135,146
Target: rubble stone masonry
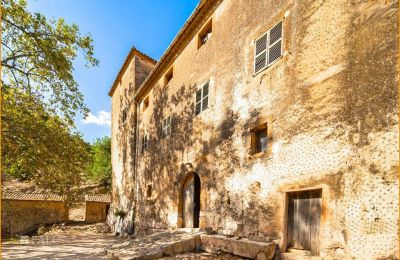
x,y
330,104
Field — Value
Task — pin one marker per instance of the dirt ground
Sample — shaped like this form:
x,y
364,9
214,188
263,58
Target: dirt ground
x,y
74,241
77,212
83,241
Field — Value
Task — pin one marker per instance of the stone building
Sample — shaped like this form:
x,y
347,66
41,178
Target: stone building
x,y
266,119
97,207
22,213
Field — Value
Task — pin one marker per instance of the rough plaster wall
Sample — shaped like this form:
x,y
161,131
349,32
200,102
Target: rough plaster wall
x,y
22,217
331,102
123,143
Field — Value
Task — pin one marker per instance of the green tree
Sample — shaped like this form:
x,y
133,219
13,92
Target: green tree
x,y
100,168
41,98
40,146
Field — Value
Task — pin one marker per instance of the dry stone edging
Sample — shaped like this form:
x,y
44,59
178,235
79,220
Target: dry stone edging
x,y
215,244
240,247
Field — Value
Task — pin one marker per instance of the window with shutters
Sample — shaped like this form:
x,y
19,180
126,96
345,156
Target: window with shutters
x,y
202,99
268,48
166,127
145,142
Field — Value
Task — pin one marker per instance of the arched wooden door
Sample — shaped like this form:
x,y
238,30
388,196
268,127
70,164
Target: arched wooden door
x,y
191,201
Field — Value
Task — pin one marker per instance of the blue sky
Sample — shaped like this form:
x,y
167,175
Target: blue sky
x,y
115,27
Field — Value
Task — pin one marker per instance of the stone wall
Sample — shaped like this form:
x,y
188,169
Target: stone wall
x,y
19,217
330,100
122,142
95,211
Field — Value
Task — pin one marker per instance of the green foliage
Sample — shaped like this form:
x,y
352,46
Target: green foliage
x,y
40,146
37,57
41,99
100,168
119,213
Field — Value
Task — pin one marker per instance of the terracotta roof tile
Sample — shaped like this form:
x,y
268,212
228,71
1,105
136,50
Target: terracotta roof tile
x,y
31,196
98,198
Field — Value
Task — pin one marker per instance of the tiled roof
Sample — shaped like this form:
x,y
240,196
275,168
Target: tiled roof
x,y
31,196
106,198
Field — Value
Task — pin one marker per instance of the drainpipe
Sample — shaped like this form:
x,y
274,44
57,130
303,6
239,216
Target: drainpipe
x,y
135,160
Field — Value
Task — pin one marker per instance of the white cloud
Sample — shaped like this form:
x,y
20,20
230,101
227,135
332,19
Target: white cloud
x,y
103,118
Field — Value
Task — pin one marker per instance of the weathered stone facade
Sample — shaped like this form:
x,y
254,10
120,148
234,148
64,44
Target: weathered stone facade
x,y
330,103
23,213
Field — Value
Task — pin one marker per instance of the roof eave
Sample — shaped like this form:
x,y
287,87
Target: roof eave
x,y
173,47
132,53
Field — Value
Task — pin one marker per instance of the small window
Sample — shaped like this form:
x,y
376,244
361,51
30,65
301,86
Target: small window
x,y
259,138
169,76
268,48
145,142
124,154
205,34
124,115
149,190
145,103
166,127
202,98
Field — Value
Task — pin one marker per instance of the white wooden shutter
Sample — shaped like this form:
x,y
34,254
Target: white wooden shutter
x,y
275,43
268,48
198,102
261,53
169,125
204,102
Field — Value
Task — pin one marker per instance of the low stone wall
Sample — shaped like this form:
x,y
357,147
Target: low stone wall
x,y
96,211
19,217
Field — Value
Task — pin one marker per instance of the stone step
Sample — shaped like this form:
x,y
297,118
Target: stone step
x,y
188,230
293,256
299,252
237,246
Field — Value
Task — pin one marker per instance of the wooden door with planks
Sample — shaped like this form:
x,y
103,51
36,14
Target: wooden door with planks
x,y
191,201
304,215
188,203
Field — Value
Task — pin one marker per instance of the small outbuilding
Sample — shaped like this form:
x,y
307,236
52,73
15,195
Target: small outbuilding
x,y
23,213
97,207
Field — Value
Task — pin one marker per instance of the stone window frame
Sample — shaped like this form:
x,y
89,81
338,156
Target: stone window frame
x,y
169,75
205,34
202,99
253,132
149,191
145,103
268,47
